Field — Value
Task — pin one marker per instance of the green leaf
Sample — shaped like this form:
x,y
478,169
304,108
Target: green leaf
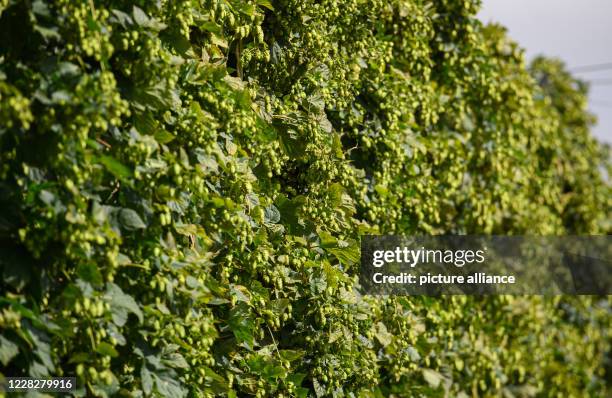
x,y
242,324
382,335
121,304
106,349
176,360
218,41
116,168
318,388
143,20
241,293
48,33
296,378
123,18
130,220
324,123
347,252
89,272
279,306
327,240
432,377
139,16
271,215
291,143
168,385
212,27
163,137
291,355
265,3
146,380
8,350
318,283
290,212
217,383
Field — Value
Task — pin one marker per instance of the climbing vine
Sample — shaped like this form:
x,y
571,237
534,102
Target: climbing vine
x,y
183,186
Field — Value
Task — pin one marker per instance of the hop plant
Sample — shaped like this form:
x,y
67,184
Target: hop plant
x,y
184,185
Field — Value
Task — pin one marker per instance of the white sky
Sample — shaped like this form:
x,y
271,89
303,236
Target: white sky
x,y
577,31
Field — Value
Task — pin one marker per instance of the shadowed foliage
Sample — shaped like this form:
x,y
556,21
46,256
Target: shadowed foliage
x,y
183,185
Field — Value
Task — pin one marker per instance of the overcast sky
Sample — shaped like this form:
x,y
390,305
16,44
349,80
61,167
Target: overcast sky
x,y
577,31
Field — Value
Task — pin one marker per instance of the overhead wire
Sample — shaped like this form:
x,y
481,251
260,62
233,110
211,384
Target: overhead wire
x,y
591,68
600,82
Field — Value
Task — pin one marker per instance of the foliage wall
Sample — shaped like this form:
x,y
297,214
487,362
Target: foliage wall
x,y
183,185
